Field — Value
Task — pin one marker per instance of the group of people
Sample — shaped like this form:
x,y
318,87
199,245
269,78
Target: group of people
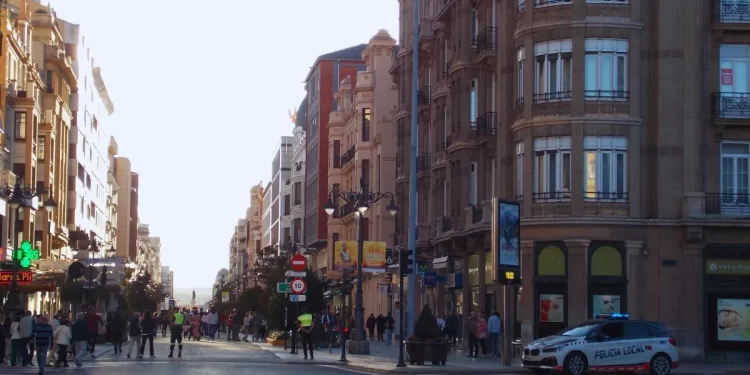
x,y
250,324
197,323
384,326
484,333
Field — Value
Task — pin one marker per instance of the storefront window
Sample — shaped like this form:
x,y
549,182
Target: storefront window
x,y
474,270
475,298
727,291
550,289
607,282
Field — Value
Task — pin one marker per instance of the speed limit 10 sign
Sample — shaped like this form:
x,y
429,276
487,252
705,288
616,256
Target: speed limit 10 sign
x,y
298,286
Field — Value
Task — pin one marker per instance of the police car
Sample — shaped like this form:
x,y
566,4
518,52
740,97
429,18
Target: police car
x,y
608,343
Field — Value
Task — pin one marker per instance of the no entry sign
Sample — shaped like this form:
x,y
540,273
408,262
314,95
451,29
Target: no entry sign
x,y
299,263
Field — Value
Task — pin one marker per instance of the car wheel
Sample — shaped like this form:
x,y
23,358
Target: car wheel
x,y
575,364
660,364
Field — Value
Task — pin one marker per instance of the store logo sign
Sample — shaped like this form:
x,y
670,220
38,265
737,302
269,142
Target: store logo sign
x,y
22,277
727,267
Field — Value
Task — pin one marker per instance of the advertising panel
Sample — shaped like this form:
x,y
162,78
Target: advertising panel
x,y
345,255
605,304
551,308
733,319
374,256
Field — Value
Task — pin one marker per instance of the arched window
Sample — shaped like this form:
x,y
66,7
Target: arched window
x,y
607,279
550,288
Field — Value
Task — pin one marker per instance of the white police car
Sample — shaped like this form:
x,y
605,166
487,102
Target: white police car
x,y
609,343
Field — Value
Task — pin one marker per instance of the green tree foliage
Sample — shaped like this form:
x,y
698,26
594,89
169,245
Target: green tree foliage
x,y
142,293
250,299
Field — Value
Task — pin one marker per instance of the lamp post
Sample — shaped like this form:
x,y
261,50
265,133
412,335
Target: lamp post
x,y
18,197
362,200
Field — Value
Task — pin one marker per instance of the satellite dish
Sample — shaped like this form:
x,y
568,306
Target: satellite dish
x,y
76,270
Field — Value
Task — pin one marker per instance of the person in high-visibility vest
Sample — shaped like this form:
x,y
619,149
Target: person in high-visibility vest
x,y
306,324
178,320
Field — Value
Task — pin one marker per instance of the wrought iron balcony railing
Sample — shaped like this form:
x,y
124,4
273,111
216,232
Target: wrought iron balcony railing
x,y
544,3
728,204
424,95
487,40
730,105
731,11
552,96
423,163
606,95
486,125
347,157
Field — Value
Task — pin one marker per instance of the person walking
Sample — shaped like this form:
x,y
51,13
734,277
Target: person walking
x,y
237,324
451,328
118,329
134,330
371,326
388,323
165,323
380,326
213,323
471,328
26,328
94,323
63,337
148,331
42,341
482,333
80,334
494,328
178,319
306,325
15,342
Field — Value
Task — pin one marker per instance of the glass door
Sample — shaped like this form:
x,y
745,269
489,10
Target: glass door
x,y
733,80
735,179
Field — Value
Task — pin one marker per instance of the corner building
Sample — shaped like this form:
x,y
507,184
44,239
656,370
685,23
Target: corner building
x,y
626,141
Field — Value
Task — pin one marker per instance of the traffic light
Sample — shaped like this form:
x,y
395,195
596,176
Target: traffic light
x,y
405,262
347,277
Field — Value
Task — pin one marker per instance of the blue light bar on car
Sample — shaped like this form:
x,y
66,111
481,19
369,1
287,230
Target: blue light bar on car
x,y
615,316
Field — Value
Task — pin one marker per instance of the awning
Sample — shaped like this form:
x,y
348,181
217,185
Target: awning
x,y
331,293
439,263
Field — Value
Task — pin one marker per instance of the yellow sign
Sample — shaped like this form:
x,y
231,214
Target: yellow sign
x,y
510,275
344,255
374,256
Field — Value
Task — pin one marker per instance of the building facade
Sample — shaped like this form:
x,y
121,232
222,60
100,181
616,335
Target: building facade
x,y
149,253
126,242
362,134
113,188
622,141
167,281
321,82
277,199
254,220
238,256
298,176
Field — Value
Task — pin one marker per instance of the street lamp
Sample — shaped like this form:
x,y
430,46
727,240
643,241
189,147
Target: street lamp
x,y
18,197
362,201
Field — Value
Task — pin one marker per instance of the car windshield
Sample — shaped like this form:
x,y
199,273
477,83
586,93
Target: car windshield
x,y
581,329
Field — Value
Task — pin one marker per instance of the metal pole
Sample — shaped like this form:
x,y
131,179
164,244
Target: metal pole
x,y
359,308
13,295
413,171
294,331
508,320
401,362
343,325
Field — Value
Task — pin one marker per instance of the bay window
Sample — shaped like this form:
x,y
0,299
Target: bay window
x,y
552,168
606,69
735,178
553,70
605,168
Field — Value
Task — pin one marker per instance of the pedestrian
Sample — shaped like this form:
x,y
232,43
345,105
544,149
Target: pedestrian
x,y
451,327
370,324
388,324
178,320
63,337
380,326
482,333
165,323
94,324
15,342
262,328
305,324
213,323
27,345
51,355
117,327
237,321
246,323
7,322
148,331
255,323
80,334
494,329
42,341
471,328
441,324
134,329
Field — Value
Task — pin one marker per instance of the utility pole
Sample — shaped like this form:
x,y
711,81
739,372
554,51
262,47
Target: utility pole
x,y
412,295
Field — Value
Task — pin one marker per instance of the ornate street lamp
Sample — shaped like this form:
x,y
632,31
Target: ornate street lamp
x,y
19,196
362,200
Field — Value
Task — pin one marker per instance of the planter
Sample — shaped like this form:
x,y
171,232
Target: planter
x,y
275,342
435,352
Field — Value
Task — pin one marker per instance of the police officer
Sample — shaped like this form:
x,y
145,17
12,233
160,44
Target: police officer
x,y
178,319
306,324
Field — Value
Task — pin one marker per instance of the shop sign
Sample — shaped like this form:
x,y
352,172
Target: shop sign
x,y
727,76
727,267
22,277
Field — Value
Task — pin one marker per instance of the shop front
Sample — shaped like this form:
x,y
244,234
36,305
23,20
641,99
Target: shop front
x,y
727,298
550,288
607,283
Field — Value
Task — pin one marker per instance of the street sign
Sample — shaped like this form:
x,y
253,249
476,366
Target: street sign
x,y
295,274
298,286
297,298
283,288
299,263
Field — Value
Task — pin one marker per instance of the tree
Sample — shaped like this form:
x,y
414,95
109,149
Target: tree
x,y
142,293
250,299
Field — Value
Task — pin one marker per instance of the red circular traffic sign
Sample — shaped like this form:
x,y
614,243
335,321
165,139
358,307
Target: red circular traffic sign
x,y
298,286
299,263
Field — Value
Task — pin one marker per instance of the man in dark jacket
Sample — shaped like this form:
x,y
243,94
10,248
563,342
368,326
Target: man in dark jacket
x,y
237,323
118,329
80,338
135,333
42,341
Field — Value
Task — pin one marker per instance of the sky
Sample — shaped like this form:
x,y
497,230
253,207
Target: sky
x,y
202,92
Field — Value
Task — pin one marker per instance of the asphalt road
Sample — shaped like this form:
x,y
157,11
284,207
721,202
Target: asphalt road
x,y
186,368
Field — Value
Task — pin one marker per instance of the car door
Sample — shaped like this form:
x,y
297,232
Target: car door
x,y
605,345
637,345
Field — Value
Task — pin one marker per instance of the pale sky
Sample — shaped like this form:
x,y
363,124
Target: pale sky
x,y
201,93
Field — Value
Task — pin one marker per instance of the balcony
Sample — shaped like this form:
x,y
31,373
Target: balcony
x,y
730,108
444,225
7,178
346,209
553,96
731,11
717,205
347,157
424,96
445,11
486,43
478,216
486,126
547,3
423,163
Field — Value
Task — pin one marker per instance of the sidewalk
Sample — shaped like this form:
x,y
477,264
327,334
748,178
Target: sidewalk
x,y
383,358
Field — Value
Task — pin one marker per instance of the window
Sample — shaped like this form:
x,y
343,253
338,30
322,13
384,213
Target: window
x,y
40,148
474,27
337,153
606,69
607,1
605,168
521,56
297,193
519,170
287,204
366,174
552,167
553,70
735,176
365,124
473,183
611,331
542,3
473,101
733,78
20,125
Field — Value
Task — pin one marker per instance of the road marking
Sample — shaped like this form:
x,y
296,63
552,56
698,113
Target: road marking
x,y
348,370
